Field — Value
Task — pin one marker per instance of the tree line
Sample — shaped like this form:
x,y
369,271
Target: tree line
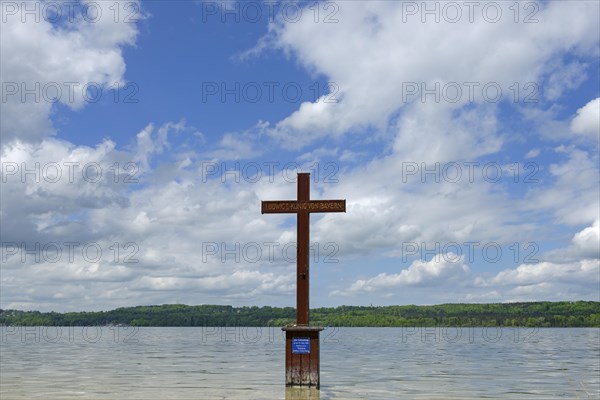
x,y
529,314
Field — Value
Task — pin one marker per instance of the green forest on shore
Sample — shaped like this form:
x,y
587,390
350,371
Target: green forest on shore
x,y
533,314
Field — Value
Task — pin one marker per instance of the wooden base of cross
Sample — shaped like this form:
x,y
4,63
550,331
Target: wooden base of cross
x,y
302,340
302,356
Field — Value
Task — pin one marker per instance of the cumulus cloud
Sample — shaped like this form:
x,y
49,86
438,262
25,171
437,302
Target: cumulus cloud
x,y
401,58
544,280
587,242
454,281
47,186
57,62
584,244
581,272
156,235
587,120
439,270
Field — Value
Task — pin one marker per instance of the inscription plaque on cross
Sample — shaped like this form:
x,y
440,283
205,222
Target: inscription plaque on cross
x,y
302,340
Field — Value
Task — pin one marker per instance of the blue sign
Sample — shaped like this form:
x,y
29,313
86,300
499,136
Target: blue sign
x,y
300,345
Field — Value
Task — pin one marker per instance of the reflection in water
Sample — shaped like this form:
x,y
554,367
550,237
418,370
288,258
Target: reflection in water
x,y
300,393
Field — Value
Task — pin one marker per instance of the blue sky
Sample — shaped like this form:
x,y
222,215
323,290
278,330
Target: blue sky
x,y
451,140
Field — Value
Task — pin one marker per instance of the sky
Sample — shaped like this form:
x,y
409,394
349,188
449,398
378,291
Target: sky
x,y
139,138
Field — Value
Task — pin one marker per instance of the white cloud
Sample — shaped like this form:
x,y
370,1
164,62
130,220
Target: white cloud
x,y
42,57
241,283
587,120
587,241
585,244
454,282
577,174
429,133
563,78
376,54
150,143
543,281
47,186
239,146
581,272
164,222
533,153
438,270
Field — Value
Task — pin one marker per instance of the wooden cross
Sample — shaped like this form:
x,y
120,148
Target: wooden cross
x,y
303,206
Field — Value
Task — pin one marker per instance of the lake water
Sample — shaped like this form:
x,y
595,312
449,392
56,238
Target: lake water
x,y
248,363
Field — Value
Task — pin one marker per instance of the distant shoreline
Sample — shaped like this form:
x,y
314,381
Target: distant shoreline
x,y
524,314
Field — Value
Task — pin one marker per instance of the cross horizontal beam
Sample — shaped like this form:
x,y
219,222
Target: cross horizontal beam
x,y
295,206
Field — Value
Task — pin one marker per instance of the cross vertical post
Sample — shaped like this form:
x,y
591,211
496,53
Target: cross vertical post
x,y
303,246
